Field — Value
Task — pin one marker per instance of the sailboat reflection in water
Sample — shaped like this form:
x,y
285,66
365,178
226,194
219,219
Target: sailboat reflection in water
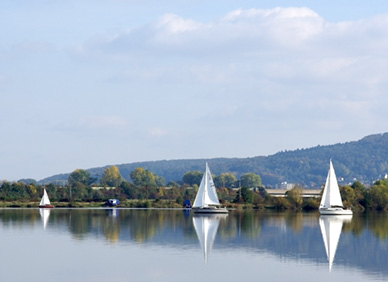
x,y
331,227
206,226
44,215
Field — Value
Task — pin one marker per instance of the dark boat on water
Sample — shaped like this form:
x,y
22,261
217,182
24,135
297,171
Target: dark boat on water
x,y
112,202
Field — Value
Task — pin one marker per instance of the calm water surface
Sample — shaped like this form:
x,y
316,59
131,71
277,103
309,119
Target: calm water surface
x,y
170,245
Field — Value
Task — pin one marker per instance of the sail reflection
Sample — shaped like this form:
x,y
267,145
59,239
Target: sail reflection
x,y
206,226
44,215
284,235
331,227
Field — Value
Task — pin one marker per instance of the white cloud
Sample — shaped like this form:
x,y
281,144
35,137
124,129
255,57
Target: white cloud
x,y
281,24
239,29
246,77
277,13
175,24
296,40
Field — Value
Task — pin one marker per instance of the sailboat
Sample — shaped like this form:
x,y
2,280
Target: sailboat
x,y
206,226
331,228
331,203
45,201
206,200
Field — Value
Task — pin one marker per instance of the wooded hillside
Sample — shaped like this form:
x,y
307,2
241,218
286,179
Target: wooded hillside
x,y
365,160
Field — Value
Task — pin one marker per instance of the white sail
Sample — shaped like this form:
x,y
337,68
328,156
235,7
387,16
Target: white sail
x,y
45,199
207,194
206,227
331,193
331,227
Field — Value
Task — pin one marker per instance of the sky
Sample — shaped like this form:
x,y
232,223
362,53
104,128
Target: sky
x,y
86,83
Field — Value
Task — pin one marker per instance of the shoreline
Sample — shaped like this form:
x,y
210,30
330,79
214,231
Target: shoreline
x,y
144,204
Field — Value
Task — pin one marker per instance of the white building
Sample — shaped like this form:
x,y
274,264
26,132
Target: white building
x,y
285,185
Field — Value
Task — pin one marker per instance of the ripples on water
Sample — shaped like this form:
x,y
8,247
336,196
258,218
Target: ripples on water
x,y
173,245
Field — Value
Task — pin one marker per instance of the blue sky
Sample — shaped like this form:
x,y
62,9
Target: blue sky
x,y
92,83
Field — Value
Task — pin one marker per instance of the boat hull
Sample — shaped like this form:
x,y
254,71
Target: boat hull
x,y
335,211
46,206
210,210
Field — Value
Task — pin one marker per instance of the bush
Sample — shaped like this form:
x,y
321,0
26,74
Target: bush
x,y
310,204
280,203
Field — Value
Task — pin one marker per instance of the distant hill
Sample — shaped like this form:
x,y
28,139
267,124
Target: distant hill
x,y
365,160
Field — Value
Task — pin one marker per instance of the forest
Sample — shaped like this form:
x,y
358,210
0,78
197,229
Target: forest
x,y
365,160
145,189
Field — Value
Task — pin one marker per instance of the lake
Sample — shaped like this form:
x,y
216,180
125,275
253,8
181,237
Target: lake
x,y
174,245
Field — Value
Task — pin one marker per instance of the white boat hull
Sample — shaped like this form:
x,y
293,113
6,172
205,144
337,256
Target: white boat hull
x,y
335,211
210,210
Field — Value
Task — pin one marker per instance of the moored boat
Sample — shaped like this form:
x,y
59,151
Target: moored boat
x,y
331,203
45,201
112,202
206,200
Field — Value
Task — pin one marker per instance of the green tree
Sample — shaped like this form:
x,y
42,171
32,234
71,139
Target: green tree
x,y
192,177
80,176
247,195
80,192
310,204
129,190
358,185
172,183
159,180
360,193
142,177
244,195
179,200
377,197
111,177
250,180
227,180
347,194
294,197
31,189
280,203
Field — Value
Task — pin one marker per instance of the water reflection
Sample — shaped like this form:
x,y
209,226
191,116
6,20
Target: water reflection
x,y
360,244
113,212
331,228
44,215
206,226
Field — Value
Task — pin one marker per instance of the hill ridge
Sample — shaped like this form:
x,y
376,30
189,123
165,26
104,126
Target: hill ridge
x,y
365,160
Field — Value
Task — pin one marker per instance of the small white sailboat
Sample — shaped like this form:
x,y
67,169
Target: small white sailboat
x,y
331,228
206,226
331,203
45,201
206,200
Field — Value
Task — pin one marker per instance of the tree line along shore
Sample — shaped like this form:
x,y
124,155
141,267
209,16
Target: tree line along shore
x,y
147,190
